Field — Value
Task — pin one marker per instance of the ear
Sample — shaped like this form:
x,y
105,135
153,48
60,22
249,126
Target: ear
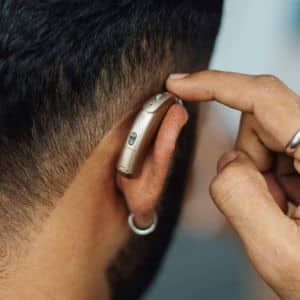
x,y
142,193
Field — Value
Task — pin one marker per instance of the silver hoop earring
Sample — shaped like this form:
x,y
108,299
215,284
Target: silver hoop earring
x,y
142,231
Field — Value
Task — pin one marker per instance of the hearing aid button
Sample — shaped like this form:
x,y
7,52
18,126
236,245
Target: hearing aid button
x,y
159,97
132,138
150,105
157,101
153,105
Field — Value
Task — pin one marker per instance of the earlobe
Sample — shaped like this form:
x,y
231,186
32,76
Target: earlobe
x,y
142,192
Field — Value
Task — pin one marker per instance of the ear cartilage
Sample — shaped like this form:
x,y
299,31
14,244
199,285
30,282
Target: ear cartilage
x,y
143,131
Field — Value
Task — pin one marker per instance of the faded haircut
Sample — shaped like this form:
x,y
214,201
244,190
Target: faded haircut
x,y
69,70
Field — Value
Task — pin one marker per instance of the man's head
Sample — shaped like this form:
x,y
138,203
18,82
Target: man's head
x,y
73,74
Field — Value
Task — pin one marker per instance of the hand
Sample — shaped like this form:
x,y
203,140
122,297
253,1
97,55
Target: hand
x,y
257,180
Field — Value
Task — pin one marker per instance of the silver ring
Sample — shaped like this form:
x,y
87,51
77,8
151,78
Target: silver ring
x,y
293,144
142,231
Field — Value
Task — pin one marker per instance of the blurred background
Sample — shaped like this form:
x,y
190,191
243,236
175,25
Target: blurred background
x,y
206,260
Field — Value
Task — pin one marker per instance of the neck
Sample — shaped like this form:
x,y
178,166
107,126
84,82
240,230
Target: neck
x,y
68,257
35,285
69,254
64,260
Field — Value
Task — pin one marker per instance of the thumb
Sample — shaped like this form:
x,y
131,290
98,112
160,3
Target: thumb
x,y
241,193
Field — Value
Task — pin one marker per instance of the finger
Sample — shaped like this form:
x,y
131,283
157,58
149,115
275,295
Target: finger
x,y
277,192
288,178
274,105
242,195
249,142
291,184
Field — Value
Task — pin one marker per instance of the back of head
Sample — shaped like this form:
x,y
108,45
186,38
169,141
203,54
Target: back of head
x,y
69,70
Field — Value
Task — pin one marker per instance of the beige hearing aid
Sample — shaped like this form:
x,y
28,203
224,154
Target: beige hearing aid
x,y
143,132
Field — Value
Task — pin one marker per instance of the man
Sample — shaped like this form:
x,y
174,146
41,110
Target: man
x,y
73,76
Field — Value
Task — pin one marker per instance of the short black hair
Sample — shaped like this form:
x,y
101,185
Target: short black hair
x,y
68,70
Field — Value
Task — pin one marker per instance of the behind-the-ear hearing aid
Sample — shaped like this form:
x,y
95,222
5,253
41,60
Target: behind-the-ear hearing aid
x,y
143,132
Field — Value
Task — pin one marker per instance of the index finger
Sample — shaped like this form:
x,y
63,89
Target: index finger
x,y
274,105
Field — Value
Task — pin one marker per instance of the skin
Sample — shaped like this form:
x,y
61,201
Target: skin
x,y
257,179
69,255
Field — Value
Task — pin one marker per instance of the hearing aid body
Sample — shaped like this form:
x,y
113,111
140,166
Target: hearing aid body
x,y
143,131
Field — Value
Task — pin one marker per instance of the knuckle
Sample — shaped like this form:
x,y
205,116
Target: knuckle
x,y
267,79
221,191
222,183
268,83
229,183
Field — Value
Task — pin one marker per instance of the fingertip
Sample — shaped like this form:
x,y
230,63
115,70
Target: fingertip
x,y
174,80
178,115
190,86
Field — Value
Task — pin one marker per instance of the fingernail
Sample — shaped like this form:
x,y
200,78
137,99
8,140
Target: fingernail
x,y
176,76
226,159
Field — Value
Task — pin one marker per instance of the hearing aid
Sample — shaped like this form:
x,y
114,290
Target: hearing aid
x,y
143,131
